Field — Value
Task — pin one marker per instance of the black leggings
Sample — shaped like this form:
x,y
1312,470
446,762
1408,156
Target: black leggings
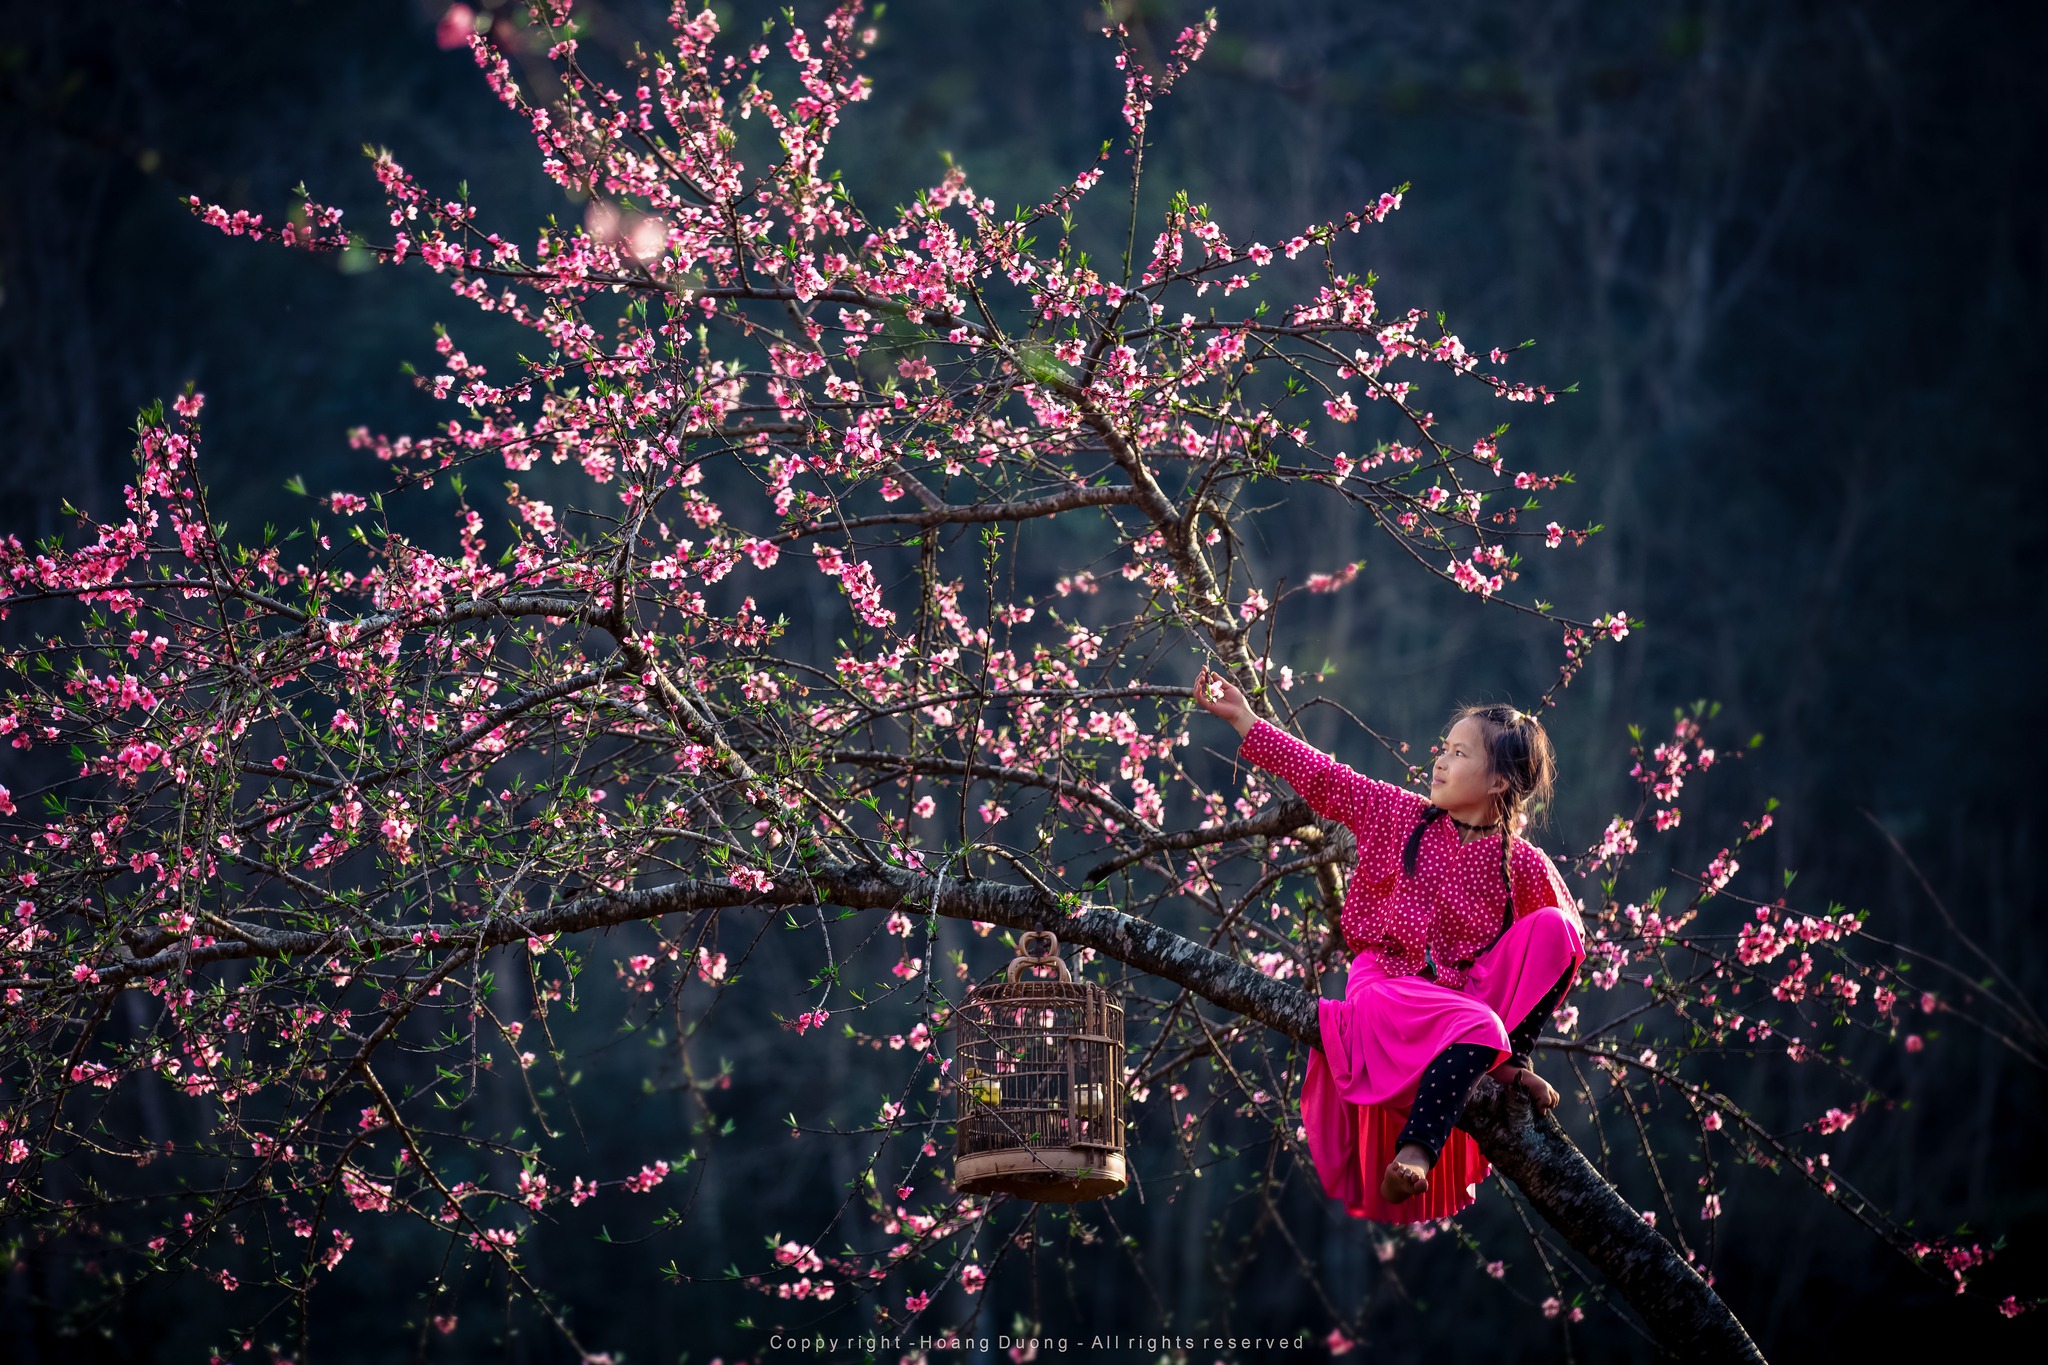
x,y
1448,1080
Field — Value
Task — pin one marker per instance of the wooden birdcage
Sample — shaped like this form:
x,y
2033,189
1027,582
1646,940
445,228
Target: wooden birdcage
x,y
1040,1086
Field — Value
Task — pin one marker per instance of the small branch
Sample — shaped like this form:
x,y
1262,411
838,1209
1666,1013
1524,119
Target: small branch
x,y
1284,819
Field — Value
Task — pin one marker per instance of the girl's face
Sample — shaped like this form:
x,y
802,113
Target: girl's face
x,y
1461,781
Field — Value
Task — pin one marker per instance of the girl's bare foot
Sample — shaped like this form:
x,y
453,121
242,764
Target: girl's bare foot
x,y
1406,1176
1543,1096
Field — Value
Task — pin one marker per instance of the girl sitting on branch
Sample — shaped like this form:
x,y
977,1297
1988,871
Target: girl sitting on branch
x,y
1463,940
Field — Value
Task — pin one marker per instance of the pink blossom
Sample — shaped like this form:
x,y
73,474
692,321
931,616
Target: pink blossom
x,y
1323,582
398,828
539,515
799,1257
369,1196
457,23
648,1178
750,879
1616,841
100,1076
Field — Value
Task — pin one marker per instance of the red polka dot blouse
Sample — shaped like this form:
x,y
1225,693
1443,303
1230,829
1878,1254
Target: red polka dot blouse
x,y
1450,909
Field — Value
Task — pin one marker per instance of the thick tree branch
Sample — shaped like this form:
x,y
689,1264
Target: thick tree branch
x,y
1680,1309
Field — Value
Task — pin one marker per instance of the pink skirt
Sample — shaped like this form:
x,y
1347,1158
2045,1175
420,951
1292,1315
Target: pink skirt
x,y
1377,1041
1521,968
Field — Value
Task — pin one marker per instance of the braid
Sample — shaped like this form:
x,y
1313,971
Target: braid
x,y
1507,867
1409,854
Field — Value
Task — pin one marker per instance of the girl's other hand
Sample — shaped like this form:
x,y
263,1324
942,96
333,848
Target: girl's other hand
x,y
1219,696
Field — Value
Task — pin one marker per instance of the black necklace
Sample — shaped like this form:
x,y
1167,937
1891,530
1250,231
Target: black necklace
x,y
1471,833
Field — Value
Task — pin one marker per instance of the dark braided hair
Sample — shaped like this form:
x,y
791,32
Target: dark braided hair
x,y
1518,750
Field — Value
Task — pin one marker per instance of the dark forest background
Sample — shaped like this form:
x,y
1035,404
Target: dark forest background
x,y
1795,256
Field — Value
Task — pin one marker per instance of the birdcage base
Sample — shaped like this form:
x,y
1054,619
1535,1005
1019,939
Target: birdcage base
x,y
1048,1175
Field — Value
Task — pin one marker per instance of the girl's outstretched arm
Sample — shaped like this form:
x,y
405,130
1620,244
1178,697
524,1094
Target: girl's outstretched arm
x,y
1377,812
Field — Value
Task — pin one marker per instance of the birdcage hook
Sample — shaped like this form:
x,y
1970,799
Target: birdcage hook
x,y
1047,956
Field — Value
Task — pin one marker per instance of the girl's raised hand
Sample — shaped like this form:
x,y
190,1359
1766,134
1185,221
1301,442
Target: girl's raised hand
x,y
1219,696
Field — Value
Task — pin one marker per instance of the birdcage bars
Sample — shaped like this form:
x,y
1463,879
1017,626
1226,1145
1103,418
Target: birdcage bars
x,y
1040,1093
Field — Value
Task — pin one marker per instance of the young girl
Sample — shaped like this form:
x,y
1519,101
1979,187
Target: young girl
x,y
1464,940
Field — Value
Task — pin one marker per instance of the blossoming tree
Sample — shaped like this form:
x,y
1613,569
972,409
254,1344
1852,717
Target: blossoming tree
x,y
312,801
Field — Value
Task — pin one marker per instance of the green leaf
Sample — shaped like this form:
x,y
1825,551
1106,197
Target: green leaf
x,y
1041,364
